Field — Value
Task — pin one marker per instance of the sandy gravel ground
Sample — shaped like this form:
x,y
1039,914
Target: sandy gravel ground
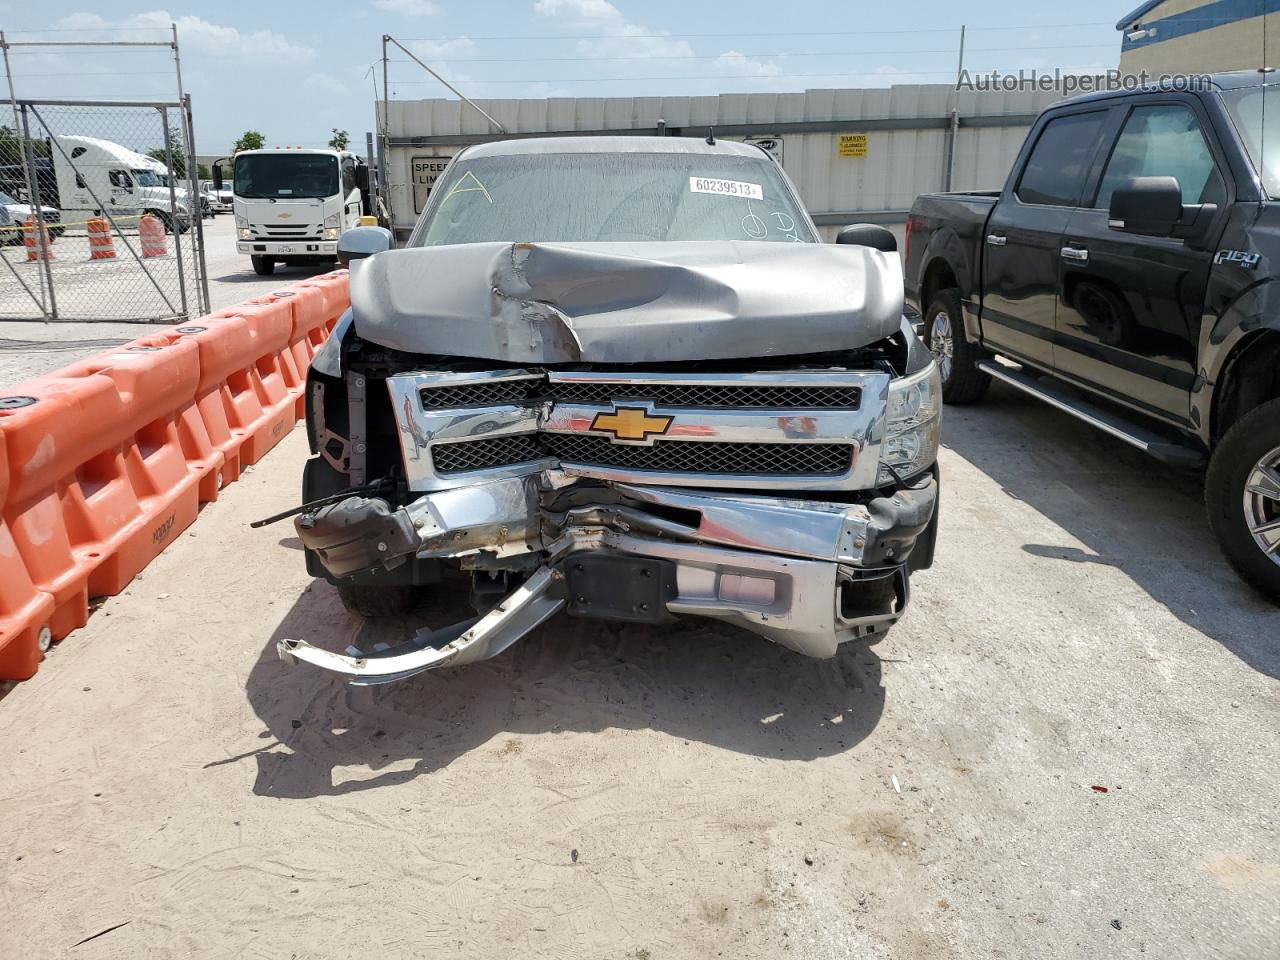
x,y
693,792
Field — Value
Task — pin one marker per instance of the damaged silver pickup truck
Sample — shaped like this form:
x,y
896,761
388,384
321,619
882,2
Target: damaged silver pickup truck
x,y
622,378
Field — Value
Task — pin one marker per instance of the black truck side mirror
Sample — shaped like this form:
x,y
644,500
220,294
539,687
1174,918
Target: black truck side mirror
x,y
868,235
217,172
1153,207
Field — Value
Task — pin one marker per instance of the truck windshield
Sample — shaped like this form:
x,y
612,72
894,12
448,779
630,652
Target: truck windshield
x,y
625,196
286,176
1256,112
145,178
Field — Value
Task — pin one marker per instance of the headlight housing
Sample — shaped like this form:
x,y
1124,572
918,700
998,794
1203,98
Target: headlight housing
x,y
331,224
913,423
245,233
241,223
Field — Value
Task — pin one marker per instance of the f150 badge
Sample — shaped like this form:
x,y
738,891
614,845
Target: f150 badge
x,y
1241,258
631,423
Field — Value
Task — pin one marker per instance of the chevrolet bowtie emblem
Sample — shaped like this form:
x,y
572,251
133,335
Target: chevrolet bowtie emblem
x,y
631,423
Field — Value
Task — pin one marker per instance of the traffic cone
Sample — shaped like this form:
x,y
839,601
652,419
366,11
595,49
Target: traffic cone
x,y
151,232
100,247
36,239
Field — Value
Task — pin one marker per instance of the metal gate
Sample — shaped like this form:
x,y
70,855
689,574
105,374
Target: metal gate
x,y
100,213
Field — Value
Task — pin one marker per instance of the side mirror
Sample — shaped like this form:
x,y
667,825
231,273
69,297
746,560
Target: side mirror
x,y
362,177
360,242
868,235
1153,207
217,174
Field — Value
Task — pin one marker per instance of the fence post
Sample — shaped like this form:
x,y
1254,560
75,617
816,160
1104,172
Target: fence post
x,y
34,195
193,177
173,213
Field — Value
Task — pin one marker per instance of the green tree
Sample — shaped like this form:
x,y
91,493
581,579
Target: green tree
x,y
249,140
202,172
11,146
179,151
339,139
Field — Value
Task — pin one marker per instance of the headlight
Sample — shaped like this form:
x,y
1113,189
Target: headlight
x,y
241,222
245,233
912,424
333,220
331,233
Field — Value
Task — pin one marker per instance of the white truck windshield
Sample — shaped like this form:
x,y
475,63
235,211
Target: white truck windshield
x,y
623,196
285,176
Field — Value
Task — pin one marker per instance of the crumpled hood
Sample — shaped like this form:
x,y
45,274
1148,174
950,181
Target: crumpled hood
x,y
627,302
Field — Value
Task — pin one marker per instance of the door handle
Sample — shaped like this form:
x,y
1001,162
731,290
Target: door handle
x,y
1075,254
997,239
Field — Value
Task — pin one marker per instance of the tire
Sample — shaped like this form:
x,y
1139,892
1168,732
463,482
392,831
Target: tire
x,y
263,266
373,602
1242,489
962,381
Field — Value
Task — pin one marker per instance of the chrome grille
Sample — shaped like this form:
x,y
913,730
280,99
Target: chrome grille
x,y
482,454
674,456
483,393
694,456
710,395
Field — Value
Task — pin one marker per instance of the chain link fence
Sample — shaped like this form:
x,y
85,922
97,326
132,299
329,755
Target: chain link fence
x,y
114,189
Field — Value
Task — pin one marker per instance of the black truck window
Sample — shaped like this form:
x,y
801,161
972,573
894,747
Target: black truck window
x,y
1163,140
1059,162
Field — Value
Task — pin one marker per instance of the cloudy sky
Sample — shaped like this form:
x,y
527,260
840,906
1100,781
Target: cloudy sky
x,y
295,70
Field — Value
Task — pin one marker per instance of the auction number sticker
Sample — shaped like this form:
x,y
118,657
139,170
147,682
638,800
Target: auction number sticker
x,y
726,188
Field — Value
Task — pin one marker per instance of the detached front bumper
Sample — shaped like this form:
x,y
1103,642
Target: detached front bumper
x,y
806,574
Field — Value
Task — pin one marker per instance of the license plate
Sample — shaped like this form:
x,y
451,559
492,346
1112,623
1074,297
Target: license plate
x,y
284,249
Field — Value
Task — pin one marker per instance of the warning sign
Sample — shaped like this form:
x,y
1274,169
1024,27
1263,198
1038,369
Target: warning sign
x,y
424,172
852,144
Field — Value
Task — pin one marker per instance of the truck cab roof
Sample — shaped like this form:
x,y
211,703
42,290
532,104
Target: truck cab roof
x,y
623,144
1229,80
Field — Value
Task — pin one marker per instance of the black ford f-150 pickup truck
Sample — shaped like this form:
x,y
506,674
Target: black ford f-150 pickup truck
x,y
1124,275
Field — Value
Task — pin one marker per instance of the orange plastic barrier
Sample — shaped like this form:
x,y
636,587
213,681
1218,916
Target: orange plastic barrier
x,y
100,246
105,462
151,233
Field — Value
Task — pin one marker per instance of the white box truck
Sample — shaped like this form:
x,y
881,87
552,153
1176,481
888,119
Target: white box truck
x,y
97,177
291,204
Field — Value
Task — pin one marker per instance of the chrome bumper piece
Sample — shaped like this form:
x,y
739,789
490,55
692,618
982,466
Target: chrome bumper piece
x,y
807,575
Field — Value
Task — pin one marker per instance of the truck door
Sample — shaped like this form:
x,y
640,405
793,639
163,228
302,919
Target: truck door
x,y
1024,234
1130,313
121,186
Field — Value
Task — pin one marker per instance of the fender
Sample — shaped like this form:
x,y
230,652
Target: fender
x,y
946,245
1251,314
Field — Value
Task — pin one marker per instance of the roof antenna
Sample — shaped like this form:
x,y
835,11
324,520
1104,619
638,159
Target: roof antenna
x,y
711,136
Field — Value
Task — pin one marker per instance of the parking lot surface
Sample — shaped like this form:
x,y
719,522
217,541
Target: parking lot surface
x,y
32,348
1068,748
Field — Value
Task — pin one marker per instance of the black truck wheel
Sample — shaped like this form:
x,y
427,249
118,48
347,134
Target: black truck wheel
x,y
1242,495
263,266
962,381
394,600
